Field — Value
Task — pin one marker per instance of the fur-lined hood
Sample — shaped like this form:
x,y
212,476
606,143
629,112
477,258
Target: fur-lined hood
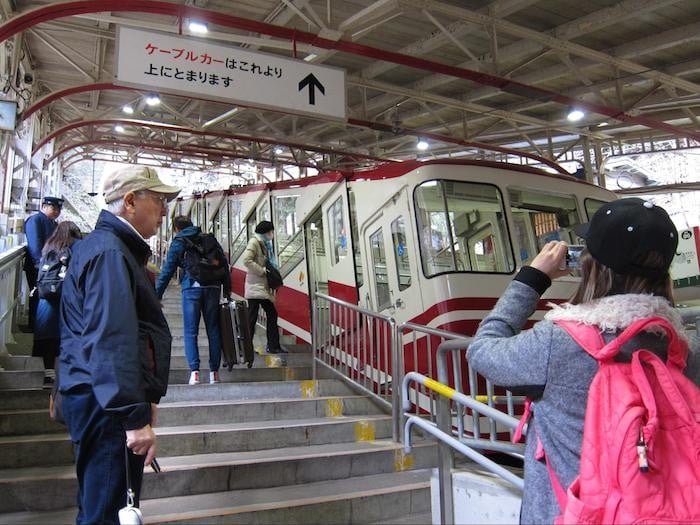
x,y
616,312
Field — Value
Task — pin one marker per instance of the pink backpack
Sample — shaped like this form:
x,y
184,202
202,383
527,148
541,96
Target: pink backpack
x,y
640,456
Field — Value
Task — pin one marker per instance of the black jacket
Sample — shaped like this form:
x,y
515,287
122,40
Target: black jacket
x,y
114,337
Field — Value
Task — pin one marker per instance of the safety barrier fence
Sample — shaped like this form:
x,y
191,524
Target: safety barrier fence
x,y
11,292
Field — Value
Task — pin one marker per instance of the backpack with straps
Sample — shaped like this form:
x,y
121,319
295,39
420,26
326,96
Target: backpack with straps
x,y
204,260
640,455
52,272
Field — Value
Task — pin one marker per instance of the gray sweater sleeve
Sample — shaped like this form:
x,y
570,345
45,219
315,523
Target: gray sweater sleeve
x,y
504,354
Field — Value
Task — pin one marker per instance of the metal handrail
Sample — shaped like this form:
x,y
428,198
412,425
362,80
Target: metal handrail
x,y
10,264
8,257
691,315
459,446
396,364
453,395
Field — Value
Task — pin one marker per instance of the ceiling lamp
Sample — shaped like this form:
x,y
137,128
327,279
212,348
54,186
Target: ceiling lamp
x,y
575,115
422,145
278,151
119,128
199,28
152,99
128,110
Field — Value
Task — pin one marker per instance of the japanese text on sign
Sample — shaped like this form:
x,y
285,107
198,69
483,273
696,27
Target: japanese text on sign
x,y
178,64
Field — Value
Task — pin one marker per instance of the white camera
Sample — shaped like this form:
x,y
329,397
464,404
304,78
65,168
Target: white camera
x,y
130,515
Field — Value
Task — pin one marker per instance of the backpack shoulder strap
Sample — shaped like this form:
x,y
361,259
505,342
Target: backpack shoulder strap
x,y
586,336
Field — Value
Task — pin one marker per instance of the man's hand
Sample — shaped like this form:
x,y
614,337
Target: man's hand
x,y
551,259
142,442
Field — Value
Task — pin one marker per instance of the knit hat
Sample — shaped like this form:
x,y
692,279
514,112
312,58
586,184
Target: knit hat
x,y
263,227
622,232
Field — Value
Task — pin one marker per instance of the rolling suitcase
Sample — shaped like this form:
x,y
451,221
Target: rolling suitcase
x,y
242,335
228,343
236,343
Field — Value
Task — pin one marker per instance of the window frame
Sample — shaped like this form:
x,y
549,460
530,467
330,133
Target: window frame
x,y
508,245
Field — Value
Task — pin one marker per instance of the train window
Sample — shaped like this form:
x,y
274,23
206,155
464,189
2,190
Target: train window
x,y
462,228
336,230
264,211
359,276
403,267
225,235
381,279
541,217
592,206
290,243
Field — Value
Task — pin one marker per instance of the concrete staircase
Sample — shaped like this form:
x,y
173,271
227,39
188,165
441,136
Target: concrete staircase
x,y
266,445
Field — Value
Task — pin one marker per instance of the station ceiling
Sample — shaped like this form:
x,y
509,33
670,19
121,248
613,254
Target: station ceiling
x,y
456,74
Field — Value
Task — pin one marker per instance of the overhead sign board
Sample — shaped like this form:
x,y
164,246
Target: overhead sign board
x,y
188,66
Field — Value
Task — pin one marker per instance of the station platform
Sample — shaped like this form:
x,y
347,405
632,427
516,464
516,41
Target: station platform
x,y
266,445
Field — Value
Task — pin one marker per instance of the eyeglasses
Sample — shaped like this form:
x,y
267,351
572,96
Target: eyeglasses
x,y
160,198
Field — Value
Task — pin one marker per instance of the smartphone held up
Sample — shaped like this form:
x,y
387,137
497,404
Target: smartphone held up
x,y
573,257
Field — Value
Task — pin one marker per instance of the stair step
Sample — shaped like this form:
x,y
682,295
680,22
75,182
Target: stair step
x,y
24,398
21,362
56,449
249,391
261,361
246,375
357,500
21,379
53,488
22,422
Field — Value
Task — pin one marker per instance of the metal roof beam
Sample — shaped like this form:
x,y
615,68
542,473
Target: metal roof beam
x,y
558,39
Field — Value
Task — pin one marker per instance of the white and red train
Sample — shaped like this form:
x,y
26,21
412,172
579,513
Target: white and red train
x,y
434,243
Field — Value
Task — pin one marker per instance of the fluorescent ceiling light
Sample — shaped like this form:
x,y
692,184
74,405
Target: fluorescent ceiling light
x,y
603,124
119,128
575,115
128,110
278,151
422,145
198,27
153,100
309,58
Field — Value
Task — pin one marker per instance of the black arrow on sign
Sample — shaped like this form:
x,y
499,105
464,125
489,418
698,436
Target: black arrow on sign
x,y
313,83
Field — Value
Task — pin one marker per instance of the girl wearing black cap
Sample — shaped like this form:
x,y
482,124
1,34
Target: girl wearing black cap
x,y
630,244
257,291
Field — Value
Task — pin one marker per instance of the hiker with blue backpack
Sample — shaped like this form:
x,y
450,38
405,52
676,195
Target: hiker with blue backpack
x,y
53,266
205,273
613,420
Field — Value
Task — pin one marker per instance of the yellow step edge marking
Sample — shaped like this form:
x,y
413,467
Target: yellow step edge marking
x,y
364,431
334,407
485,399
441,389
402,461
290,374
272,361
308,388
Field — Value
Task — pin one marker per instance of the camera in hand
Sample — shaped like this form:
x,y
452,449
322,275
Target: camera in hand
x,y
573,257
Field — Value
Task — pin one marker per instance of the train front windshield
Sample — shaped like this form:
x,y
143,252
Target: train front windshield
x,y
462,228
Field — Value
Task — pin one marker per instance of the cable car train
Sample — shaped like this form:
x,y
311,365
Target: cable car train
x,y
434,243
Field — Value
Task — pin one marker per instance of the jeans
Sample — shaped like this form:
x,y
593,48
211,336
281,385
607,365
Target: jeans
x,y
100,439
204,302
273,334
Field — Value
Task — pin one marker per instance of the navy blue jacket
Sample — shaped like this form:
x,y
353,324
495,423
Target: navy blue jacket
x,y
175,260
38,228
114,337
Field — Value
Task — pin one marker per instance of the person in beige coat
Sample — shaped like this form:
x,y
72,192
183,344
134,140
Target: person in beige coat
x,y
257,291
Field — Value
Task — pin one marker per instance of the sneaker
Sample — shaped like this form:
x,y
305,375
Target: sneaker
x,y
213,377
194,378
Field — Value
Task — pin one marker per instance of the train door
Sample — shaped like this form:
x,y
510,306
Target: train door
x,y
338,243
317,266
391,278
